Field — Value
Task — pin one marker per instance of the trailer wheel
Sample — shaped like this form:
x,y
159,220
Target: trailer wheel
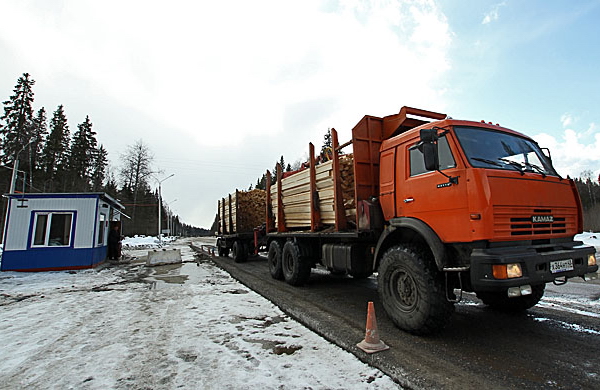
x,y
412,290
500,300
240,251
296,270
274,259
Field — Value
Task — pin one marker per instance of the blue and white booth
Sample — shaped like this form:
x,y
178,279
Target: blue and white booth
x,y
48,232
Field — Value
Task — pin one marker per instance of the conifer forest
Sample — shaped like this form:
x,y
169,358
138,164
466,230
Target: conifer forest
x,y
42,151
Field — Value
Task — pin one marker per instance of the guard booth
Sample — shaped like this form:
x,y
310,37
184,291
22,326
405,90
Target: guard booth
x,y
49,232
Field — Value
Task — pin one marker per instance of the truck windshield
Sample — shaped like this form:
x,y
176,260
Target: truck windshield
x,y
494,149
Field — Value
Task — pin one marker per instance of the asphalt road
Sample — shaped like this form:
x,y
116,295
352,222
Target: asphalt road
x,y
554,345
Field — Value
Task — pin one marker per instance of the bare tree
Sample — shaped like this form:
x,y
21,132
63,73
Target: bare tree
x,y
586,177
136,166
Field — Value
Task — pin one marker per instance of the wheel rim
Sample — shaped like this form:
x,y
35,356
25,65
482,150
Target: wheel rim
x,y
404,290
273,260
288,263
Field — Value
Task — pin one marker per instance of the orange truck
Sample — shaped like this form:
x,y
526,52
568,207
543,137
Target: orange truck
x,y
437,206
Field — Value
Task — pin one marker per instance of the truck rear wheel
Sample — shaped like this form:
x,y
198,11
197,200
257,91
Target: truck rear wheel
x,y
296,270
274,259
412,290
501,301
240,251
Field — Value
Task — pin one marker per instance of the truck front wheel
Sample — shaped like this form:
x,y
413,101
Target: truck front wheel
x,y
501,301
274,259
240,251
412,290
296,270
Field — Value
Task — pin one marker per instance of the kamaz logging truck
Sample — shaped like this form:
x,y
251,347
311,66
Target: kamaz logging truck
x,y
436,208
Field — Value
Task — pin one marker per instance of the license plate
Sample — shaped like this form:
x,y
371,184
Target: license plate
x,y
561,266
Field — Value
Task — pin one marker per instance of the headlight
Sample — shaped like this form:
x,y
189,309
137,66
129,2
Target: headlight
x,y
591,260
507,271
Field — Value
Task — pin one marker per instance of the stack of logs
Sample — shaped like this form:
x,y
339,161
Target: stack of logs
x,y
296,194
247,211
347,184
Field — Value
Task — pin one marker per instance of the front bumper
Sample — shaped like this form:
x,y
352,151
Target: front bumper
x,y
535,263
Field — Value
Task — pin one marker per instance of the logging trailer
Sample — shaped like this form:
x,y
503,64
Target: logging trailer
x,y
436,206
239,224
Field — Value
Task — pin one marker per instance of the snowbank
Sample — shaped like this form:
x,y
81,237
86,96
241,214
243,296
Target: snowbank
x,y
145,242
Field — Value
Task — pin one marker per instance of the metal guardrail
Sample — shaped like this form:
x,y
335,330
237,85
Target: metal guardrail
x,y
210,250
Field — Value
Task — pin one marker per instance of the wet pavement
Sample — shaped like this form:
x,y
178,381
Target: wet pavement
x,y
552,345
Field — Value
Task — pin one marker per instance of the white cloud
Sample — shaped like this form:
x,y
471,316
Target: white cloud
x,y
250,61
228,76
566,119
493,15
575,151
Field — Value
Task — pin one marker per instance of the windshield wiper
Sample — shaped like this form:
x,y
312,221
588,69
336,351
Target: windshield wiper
x,y
537,168
514,164
485,160
520,167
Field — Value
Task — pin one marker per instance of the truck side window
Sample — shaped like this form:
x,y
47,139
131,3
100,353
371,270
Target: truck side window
x,y
417,163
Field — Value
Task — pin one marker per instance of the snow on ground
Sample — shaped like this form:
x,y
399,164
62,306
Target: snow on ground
x,y
590,238
145,242
118,328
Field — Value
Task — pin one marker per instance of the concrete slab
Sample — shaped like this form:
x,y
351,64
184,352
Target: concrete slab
x,y
163,256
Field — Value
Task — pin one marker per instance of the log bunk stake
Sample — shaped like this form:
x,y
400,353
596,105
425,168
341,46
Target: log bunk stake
x,y
315,211
338,200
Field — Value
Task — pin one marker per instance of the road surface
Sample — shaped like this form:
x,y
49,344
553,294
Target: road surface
x,y
553,345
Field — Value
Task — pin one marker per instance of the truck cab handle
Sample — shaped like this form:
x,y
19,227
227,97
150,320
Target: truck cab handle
x,y
408,200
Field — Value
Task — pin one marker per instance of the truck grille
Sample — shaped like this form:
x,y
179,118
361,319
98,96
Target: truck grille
x,y
513,222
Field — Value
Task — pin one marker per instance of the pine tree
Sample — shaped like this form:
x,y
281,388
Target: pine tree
x,y
111,183
40,132
327,142
56,149
18,128
81,156
99,168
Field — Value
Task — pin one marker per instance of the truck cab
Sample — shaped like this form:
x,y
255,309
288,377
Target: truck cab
x,y
486,206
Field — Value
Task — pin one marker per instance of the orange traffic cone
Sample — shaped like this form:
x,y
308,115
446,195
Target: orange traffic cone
x,y
371,343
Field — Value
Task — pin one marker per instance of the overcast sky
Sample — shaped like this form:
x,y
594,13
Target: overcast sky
x,y
220,90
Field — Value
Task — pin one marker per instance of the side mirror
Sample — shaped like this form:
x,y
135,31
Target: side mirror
x,y
429,135
429,148
430,155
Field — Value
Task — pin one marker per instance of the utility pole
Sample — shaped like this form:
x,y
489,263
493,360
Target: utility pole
x,y
160,206
15,169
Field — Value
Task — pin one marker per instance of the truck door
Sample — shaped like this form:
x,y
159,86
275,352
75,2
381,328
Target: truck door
x,y
387,184
430,196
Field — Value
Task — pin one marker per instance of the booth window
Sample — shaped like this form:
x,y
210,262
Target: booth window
x,y
101,229
52,229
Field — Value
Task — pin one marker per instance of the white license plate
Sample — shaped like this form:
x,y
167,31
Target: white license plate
x,y
561,266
